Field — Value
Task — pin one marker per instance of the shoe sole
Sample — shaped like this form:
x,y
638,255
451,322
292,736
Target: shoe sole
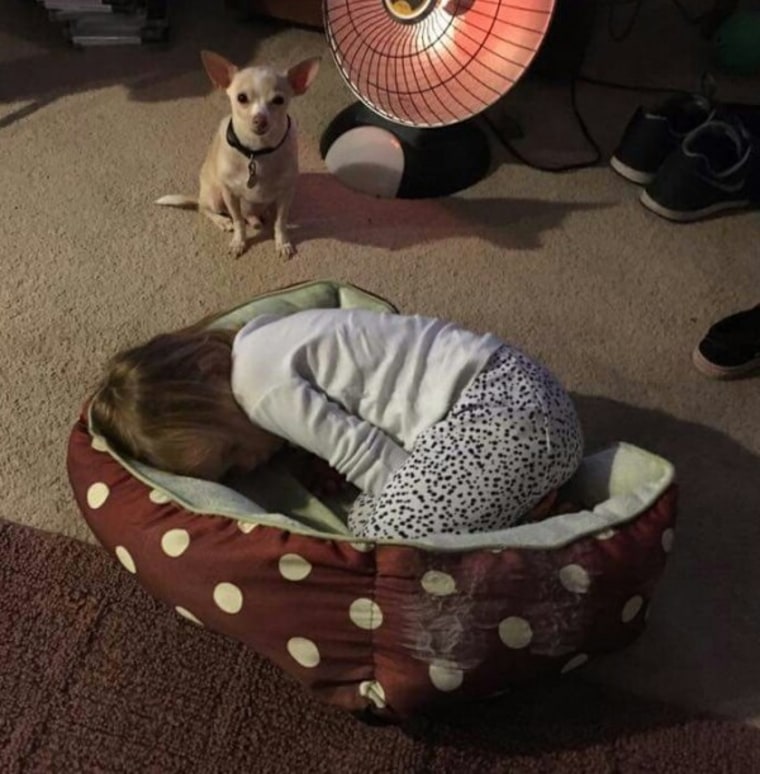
x,y
630,174
704,366
688,216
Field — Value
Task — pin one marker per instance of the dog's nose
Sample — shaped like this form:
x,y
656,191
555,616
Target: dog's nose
x,y
260,122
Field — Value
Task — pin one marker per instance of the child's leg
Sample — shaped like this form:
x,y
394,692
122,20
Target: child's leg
x,y
512,437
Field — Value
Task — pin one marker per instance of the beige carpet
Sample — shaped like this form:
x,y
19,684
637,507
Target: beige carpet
x,y
569,267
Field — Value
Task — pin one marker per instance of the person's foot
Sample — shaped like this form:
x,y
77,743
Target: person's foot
x,y
731,347
717,168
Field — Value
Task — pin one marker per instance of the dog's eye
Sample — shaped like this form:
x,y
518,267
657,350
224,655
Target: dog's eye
x,y
242,99
278,100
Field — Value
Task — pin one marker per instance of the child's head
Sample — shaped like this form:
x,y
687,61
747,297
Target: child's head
x,y
169,403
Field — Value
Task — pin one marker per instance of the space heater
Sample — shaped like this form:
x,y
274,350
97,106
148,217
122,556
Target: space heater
x,y
423,70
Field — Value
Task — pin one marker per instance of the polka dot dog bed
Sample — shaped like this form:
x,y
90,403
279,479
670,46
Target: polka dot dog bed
x,y
391,628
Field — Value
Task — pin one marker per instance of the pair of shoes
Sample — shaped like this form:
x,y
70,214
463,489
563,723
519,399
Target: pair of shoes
x,y
731,347
695,157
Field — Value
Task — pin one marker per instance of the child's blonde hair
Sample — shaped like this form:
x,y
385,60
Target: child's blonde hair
x,y
169,402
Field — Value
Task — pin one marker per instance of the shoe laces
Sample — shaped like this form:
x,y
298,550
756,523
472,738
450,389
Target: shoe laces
x,y
711,140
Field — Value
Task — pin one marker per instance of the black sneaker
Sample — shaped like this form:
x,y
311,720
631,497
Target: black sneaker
x,y
653,134
731,347
716,168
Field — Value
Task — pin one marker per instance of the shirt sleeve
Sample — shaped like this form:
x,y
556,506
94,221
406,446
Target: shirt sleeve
x,y
357,449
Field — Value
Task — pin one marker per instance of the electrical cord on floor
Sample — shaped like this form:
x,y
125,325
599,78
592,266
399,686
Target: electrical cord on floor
x,y
625,86
619,37
578,77
573,167
688,17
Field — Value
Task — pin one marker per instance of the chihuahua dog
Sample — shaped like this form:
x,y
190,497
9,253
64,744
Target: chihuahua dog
x,y
252,164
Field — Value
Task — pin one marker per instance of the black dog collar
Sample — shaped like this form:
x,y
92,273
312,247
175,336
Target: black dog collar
x,y
250,154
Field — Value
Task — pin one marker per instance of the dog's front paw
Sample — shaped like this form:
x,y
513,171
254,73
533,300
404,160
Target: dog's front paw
x,y
285,250
237,247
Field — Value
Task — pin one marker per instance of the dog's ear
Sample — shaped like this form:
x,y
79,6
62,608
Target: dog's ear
x,y
220,70
301,76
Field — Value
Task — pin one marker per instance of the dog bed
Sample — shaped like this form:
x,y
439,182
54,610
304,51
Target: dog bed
x,y
390,628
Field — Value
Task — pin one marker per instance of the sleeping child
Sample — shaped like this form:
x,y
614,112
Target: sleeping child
x,y
443,430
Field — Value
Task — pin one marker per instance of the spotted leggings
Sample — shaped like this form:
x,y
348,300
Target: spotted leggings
x,y
511,438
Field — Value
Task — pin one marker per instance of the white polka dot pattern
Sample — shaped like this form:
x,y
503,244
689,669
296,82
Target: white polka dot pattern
x,y
366,614
574,578
99,443
373,691
97,494
445,676
159,498
187,614
439,584
432,580
174,543
576,661
126,559
304,652
632,608
228,598
515,632
294,567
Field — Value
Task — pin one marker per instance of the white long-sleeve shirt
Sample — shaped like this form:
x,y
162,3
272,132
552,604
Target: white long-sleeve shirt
x,y
354,387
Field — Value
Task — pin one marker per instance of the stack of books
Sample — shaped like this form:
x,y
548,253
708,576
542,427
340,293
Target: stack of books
x,y
111,22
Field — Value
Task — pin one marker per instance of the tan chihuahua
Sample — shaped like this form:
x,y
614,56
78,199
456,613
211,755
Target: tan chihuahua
x,y
252,164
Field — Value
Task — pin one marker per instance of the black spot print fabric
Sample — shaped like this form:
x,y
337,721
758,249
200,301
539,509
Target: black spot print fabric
x,y
511,438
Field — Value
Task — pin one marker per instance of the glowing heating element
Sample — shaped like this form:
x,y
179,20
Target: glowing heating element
x,y
431,63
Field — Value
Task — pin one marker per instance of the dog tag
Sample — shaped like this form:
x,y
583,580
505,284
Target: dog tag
x,y
252,173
